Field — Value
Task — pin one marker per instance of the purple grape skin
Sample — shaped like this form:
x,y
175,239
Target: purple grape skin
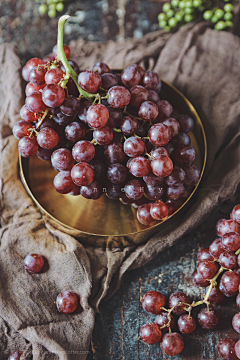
x,y
114,191
185,154
118,97
27,146
180,139
231,241
134,189
192,174
134,146
199,280
173,125
90,191
148,111
228,260
150,80
176,177
150,333
216,296
115,117
236,322
131,76
229,283
175,298
158,152
45,154
75,131
204,254
186,325
208,319
73,65
101,68
226,349
216,248
186,123
139,166
163,319
154,192
117,173
63,183
152,179
89,81
83,151
129,125
138,95
60,118
108,80
153,96
82,113
207,269
70,106
172,344
114,153
103,136
175,192
164,110
62,159
143,214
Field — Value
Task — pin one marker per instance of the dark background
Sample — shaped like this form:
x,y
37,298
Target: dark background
x,y
116,332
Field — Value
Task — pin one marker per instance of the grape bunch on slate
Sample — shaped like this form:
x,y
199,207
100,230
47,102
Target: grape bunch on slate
x,y
218,271
107,132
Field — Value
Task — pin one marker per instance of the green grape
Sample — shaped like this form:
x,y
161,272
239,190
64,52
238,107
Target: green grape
x,y
229,23
188,18
172,22
181,5
167,28
49,2
174,3
52,13
188,10
59,6
197,3
219,13
161,16
162,24
214,19
188,4
52,7
166,7
179,16
42,9
170,13
220,25
227,16
207,15
228,7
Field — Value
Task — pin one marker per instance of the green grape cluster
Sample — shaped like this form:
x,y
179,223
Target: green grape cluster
x,y
180,12
50,7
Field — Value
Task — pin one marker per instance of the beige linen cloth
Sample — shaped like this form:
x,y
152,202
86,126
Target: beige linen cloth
x,y
205,66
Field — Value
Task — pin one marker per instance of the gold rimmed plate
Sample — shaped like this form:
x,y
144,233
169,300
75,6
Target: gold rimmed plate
x,y
104,218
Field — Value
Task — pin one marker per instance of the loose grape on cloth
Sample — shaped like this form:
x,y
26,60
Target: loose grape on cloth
x,y
205,66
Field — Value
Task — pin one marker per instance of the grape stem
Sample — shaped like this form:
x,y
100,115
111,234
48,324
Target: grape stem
x,y
41,118
62,57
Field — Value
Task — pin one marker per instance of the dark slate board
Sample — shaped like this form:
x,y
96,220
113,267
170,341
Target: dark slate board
x,y
116,332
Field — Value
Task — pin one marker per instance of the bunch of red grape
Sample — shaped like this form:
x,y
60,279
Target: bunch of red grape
x,y
221,256
117,136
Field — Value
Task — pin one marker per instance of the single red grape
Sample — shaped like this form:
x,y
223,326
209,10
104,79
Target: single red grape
x,y
34,102
162,166
62,159
186,324
97,116
178,297
216,296
148,111
208,318
235,214
150,80
225,226
114,153
226,349
89,81
29,66
33,263
138,95
101,68
67,302
37,76
159,210
231,241
139,166
82,174
47,138
54,76
16,355
164,110
66,50
27,115
228,260
199,280
236,322
63,183
185,154
108,81
134,189
150,333
53,95
20,129
237,349
158,152
83,151
180,139
117,173
30,88
134,146
131,76
163,319
118,97
229,283
204,254
143,214
129,125
186,123
159,134
103,136
152,301
172,344
216,248
27,146
175,192
153,96
207,269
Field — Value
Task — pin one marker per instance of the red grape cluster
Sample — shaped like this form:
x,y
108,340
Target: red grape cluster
x,y
223,255
108,133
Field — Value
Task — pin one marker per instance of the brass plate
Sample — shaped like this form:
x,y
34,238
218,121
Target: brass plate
x,y
104,217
